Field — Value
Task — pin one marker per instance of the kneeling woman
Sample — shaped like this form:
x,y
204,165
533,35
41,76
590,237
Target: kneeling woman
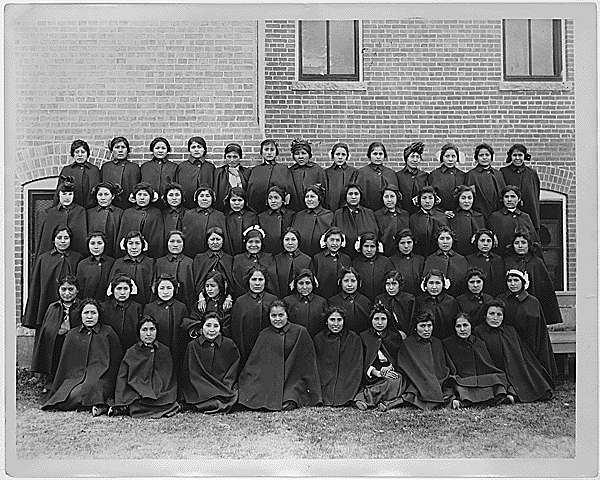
x,y
88,365
146,384
382,383
281,372
211,369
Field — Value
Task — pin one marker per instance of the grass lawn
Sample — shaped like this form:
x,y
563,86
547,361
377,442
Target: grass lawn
x,y
540,430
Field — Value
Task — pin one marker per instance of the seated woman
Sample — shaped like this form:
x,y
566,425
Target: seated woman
x,y
355,304
313,221
146,383
464,221
238,217
371,264
391,219
288,263
443,306
305,307
281,372
490,263
339,359
478,381
328,264
213,260
215,297
407,262
275,220
426,221
180,266
424,364
93,271
88,365
210,369
254,255
106,217
511,354
382,385
400,304
120,311
474,301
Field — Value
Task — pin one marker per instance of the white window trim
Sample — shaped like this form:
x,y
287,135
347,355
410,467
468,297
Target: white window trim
x,y
555,196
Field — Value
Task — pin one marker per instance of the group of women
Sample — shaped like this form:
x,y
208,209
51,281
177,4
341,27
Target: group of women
x,y
171,286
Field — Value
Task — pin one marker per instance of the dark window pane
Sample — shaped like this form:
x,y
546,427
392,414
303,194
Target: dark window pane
x,y
341,38
542,48
314,48
517,47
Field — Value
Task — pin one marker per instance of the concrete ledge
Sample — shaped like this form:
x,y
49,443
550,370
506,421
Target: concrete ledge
x,y
535,86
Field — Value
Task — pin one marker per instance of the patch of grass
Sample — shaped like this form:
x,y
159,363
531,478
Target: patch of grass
x,y
544,430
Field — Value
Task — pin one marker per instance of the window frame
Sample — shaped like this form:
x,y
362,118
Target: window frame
x,y
354,77
552,196
558,54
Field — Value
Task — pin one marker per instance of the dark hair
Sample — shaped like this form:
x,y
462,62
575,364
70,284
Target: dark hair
x,y
339,145
66,185
114,189
474,272
221,282
415,147
96,233
91,301
333,231
427,189
392,188
59,228
165,276
521,148
121,278
345,271
421,317
208,315
405,232
114,141
278,303
255,268
216,230
373,146
396,275
483,231
233,147
291,230
379,308
173,186
482,146
445,228
460,189
318,190
198,140
305,272
495,302
352,185
464,315
509,188
68,278
133,234
301,144
368,236
269,141
160,139
334,309
203,188
77,144
175,232
445,148
144,186
144,319
238,192
434,272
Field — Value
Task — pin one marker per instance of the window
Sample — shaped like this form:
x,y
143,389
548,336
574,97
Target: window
x,y
328,50
532,50
552,232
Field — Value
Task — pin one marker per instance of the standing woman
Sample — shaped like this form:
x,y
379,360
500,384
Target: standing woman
x,y
447,176
442,306
180,266
473,302
426,221
160,171
238,217
288,263
88,366
215,297
355,304
213,260
328,264
121,171
371,265
490,263
488,181
339,174
194,171
313,221
93,272
408,263
465,221
411,179
231,174
304,306
373,177
400,304
106,217
266,175
253,241
84,175
391,219
275,220
304,174
121,312
174,210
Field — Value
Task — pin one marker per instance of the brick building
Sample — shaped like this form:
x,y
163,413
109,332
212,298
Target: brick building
x,y
140,73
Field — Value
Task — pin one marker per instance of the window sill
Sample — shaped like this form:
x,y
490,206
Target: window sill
x,y
548,86
330,86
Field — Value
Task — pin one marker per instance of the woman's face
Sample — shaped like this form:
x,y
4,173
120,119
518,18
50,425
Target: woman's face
x,y
475,284
413,160
465,200
66,198
463,328
232,159
379,321
275,201
301,157
253,245
67,292
424,329
104,197
304,286
142,198
434,285
269,152
521,246
197,150
484,157
122,291
215,242
165,290
89,315
257,282
427,201
236,203
450,158
62,240
119,151
514,284
349,283
278,317
148,333
174,197
517,157
377,156
494,316
96,246
335,322
510,199
390,199
311,199
445,241
211,288
405,245
290,242
204,199
134,246
211,329
353,197
392,287
160,150
334,242
340,156
175,244
484,243
80,155
369,249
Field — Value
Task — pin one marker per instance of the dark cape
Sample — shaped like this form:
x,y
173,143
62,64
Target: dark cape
x,y
237,223
210,372
477,379
510,353
424,226
264,176
123,318
428,371
445,180
192,173
337,179
75,217
493,268
411,268
44,282
281,368
401,308
306,311
181,267
93,276
124,173
222,187
453,265
540,284
108,221
243,262
274,223
488,184
372,271
327,268
355,222
149,221
409,185
141,269
87,370
195,224
209,261
173,220
158,173
474,305
526,178
303,177
357,307
505,224
287,266
312,224
464,225
390,224
525,313
146,383
444,309
86,176
371,179
340,365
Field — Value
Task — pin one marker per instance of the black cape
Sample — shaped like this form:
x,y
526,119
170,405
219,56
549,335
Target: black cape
x,y
158,174
390,224
337,179
222,187
312,224
141,269
264,176
274,223
93,276
526,178
287,266
424,226
372,271
306,311
327,268
505,224
124,173
108,221
409,185
86,176
453,265
181,267
237,223
411,268
123,318
149,221
195,224
371,179
192,173
303,177
444,309
355,222
493,268
357,307
209,261
401,307
474,305
488,184
464,225
445,180
75,217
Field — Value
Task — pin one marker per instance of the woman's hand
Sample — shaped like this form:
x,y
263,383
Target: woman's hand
x,y
228,303
388,372
449,214
201,303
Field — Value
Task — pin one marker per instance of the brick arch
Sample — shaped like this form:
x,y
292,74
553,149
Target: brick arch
x,y
555,179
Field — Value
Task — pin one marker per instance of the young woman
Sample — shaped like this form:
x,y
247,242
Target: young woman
x,y
447,176
426,221
354,219
210,369
88,365
465,221
180,266
121,312
121,171
373,177
453,265
146,383
305,307
473,302
304,174
44,281
281,372
213,260
339,359
356,305
83,174
339,174
327,264
511,354
105,217
382,385
442,306
60,317
489,262
411,179
215,297
159,171
488,181
267,175
313,221
288,263
238,217
254,255
145,218
231,174
408,263
194,171
275,220
93,272
175,211
371,265
400,304
391,219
